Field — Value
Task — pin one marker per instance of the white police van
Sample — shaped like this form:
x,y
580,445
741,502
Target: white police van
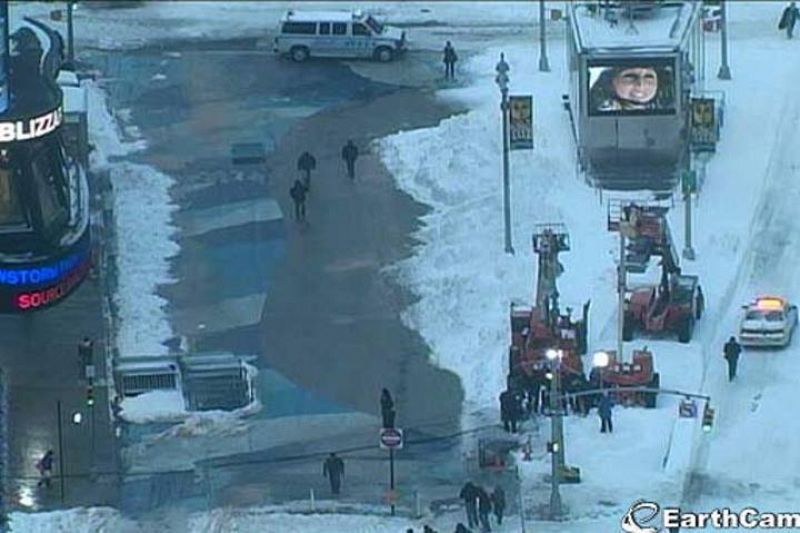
x,y
304,34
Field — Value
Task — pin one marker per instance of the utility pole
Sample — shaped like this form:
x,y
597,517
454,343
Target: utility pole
x,y
688,186
70,35
724,69
544,65
502,79
621,283
556,438
60,453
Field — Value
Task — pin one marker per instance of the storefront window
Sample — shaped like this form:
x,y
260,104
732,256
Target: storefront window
x,y
49,192
10,208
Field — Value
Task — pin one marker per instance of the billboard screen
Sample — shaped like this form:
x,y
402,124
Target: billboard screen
x,y
628,87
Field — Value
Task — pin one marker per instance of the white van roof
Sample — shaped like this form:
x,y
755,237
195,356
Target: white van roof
x,y
320,16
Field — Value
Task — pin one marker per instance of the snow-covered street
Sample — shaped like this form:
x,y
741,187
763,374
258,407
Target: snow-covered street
x,y
746,233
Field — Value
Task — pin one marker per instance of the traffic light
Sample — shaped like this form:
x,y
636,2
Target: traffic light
x,y
708,418
90,395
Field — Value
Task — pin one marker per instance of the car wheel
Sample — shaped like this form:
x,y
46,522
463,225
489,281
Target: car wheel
x,y
384,54
299,54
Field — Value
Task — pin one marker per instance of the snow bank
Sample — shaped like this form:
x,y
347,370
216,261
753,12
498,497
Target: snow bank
x,y
154,406
86,520
142,210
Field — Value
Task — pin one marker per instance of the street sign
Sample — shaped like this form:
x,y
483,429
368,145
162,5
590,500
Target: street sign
x,y
391,439
687,409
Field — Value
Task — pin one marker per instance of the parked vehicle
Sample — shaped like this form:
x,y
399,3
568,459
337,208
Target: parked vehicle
x,y
341,34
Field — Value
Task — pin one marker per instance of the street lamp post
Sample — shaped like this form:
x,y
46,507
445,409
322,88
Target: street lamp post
x,y
556,434
70,34
600,361
544,65
502,79
724,69
621,287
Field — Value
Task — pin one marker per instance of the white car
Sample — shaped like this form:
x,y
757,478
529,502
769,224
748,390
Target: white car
x,y
768,321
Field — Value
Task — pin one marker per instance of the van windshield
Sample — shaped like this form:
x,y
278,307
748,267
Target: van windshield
x,y
374,25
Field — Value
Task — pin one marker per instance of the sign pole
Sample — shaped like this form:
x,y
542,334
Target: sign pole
x,y
391,477
621,298
506,185
724,70
60,453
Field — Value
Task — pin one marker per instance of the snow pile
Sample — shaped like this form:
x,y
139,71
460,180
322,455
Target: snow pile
x,y
142,211
86,520
154,406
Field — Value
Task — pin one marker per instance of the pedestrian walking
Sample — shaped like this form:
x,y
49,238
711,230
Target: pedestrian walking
x,y
45,468
387,409
461,528
604,410
333,469
450,58
469,493
350,154
731,353
298,194
789,19
306,163
499,503
507,402
484,509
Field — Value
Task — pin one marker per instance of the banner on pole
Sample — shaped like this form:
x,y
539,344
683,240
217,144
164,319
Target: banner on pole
x,y
705,130
521,122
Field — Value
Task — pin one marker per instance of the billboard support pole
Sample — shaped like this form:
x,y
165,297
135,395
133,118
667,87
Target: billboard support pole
x,y
724,69
544,65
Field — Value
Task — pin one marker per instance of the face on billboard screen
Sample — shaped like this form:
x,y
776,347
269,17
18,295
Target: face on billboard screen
x,y
645,87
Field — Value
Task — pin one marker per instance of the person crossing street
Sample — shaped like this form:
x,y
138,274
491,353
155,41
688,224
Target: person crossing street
x,y
333,469
306,163
731,353
789,19
450,58
298,194
349,155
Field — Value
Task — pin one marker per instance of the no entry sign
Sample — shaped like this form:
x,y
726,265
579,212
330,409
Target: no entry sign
x,y
391,439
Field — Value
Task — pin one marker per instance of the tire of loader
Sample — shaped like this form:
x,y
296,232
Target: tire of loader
x,y
686,329
627,327
651,398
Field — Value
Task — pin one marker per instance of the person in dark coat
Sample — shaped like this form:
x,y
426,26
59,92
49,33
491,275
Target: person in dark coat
x,y
461,528
507,402
484,508
350,154
45,468
604,410
499,503
387,409
469,493
731,353
450,58
789,19
298,194
306,163
333,469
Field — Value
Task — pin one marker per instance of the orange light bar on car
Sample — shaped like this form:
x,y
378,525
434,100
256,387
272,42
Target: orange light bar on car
x,y
769,303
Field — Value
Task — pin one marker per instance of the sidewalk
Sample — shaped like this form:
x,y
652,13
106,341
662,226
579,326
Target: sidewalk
x,y
40,359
